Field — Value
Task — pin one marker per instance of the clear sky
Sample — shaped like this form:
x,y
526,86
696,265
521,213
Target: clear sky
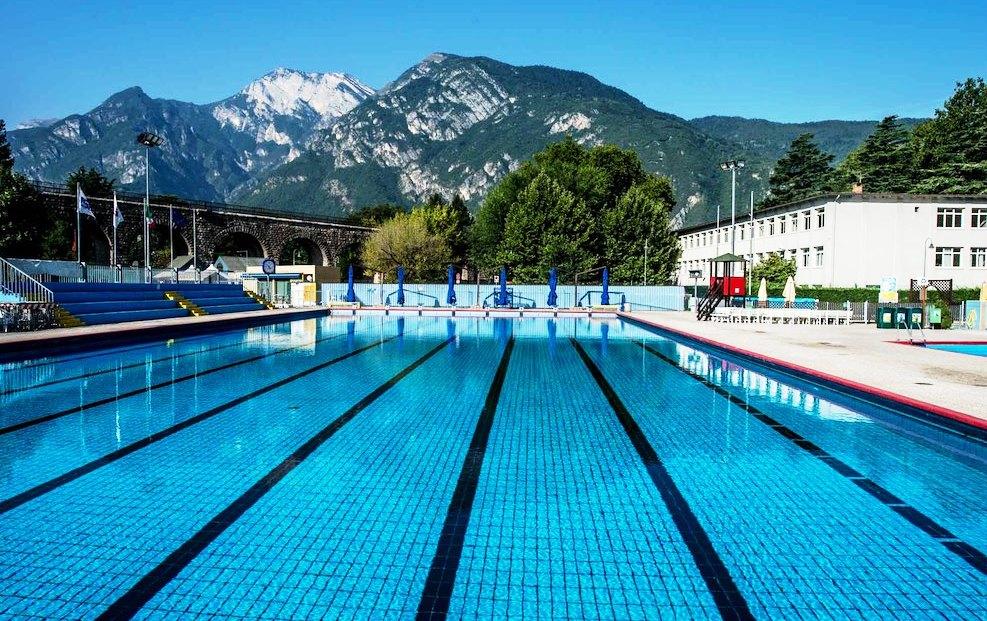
x,y
785,61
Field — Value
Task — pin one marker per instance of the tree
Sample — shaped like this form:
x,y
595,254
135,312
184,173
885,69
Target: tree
x,y
547,226
449,221
560,209
883,163
803,170
93,182
405,240
642,217
775,269
374,216
951,149
6,157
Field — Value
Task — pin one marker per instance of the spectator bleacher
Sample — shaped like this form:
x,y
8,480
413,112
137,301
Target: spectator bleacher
x,y
100,303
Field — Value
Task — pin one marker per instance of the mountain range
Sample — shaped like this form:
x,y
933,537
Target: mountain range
x,y
327,144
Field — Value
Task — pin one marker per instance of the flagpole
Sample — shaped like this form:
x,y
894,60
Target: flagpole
x,y
195,246
171,234
78,223
114,228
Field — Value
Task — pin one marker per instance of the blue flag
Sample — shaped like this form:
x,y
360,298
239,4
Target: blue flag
x,y
82,203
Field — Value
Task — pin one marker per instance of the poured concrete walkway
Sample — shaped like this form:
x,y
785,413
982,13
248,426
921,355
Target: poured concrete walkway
x,y
859,354
51,341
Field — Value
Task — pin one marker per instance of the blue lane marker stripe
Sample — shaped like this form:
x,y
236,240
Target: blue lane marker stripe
x,y
434,603
30,494
147,587
730,602
138,391
973,556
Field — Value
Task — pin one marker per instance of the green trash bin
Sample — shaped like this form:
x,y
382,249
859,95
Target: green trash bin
x,y
902,317
915,318
885,316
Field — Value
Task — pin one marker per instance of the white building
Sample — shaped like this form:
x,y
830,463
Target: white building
x,y
854,240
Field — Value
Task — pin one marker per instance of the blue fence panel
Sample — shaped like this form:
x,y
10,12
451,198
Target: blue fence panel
x,y
525,296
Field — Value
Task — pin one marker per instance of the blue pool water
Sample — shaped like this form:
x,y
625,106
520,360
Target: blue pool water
x,y
381,467
972,349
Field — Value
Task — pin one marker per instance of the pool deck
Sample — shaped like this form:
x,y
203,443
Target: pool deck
x,y
58,340
858,356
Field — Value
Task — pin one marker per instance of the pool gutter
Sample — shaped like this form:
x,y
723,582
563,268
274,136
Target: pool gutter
x,y
964,423
22,345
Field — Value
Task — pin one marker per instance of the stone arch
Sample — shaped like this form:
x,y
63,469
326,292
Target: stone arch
x,y
238,238
303,250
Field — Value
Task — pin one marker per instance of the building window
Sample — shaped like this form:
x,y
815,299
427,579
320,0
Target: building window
x,y
771,226
741,232
807,220
949,217
795,222
760,228
978,217
821,217
978,257
819,256
947,256
805,257
781,225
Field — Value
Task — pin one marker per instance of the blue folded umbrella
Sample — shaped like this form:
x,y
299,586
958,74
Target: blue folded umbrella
x,y
605,297
400,286
502,295
451,295
553,282
350,293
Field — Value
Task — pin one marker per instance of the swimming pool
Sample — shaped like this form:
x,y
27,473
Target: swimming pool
x,y
971,349
471,468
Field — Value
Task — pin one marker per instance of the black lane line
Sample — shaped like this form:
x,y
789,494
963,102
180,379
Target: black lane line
x,y
138,391
147,587
970,554
91,374
30,494
434,603
730,602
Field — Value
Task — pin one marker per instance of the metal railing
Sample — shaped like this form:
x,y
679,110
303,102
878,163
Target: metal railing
x,y
17,282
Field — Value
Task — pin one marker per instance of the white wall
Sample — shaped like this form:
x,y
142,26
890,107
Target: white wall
x,y
863,241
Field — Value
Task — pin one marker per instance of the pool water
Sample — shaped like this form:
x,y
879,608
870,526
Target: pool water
x,y
972,349
382,467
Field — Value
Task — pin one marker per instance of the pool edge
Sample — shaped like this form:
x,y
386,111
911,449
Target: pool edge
x,y
966,423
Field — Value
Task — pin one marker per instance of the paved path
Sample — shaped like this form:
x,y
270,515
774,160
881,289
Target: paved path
x,y
859,353
11,341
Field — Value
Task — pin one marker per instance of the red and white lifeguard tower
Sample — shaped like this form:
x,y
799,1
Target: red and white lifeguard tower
x,y
727,281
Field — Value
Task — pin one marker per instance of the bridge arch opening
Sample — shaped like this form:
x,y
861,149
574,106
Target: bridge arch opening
x,y
161,246
302,251
238,244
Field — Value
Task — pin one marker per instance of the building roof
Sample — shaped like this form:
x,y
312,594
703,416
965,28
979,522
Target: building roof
x,y
236,263
844,197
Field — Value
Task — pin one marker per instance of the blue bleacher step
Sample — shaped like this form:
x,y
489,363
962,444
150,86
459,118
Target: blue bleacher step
x,y
123,316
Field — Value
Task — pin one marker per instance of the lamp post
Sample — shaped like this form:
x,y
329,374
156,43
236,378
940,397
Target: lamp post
x,y
732,166
924,285
148,140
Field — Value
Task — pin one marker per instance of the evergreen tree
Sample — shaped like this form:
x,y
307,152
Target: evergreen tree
x,y
803,170
883,163
451,222
6,157
951,148
93,182
776,270
641,217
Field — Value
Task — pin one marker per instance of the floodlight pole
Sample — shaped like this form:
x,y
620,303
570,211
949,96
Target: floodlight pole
x,y
148,140
732,166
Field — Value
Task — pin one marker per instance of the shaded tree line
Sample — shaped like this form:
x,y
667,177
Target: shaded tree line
x,y
946,154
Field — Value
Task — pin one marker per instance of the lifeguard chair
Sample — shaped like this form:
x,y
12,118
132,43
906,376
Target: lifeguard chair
x,y
727,281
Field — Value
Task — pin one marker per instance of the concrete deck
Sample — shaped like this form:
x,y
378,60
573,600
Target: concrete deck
x,y
858,354
58,340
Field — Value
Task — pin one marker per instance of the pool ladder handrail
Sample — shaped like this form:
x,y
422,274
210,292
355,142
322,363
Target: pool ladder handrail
x,y
911,337
21,284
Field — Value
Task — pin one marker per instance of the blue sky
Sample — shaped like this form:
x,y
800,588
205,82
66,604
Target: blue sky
x,y
785,61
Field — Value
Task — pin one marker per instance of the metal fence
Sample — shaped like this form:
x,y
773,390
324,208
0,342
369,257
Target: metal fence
x,y
525,296
21,285
43,270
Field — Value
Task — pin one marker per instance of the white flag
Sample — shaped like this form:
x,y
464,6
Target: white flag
x,y
117,214
82,203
